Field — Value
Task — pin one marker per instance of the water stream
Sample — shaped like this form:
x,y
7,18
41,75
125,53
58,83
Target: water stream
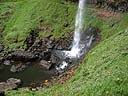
x,y
79,25
81,41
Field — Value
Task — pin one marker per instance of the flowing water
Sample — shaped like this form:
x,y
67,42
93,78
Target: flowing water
x,y
81,41
79,25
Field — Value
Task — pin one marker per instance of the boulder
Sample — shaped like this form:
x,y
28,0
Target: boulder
x,y
3,86
10,84
1,47
22,56
7,62
13,69
45,64
18,68
14,81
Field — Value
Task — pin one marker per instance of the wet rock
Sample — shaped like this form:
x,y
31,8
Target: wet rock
x,y
28,63
47,43
15,81
3,86
54,59
17,68
56,56
62,66
47,55
7,62
2,93
36,46
1,47
10,84
50,46
45,64
59,47
13,69
63,43
31,38
22,56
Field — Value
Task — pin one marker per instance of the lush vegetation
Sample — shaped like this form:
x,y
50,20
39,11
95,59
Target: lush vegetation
x,y
104,69
54,14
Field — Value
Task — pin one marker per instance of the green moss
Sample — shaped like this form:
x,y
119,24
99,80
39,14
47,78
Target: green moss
x,y
104,70
28,14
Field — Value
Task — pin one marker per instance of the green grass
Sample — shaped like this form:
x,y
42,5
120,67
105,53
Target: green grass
x,y
6,10
27,15
103,72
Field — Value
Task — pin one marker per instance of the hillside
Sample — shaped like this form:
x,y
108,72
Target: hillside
x,y
56,17
104,70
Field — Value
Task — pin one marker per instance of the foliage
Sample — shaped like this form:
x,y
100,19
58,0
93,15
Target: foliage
x,y
28,14
104,70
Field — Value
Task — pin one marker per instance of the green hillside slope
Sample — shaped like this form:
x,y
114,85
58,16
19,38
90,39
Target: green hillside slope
x,y
103,72
27,15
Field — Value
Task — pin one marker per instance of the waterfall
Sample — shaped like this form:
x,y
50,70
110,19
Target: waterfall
x,y
81,42
79,25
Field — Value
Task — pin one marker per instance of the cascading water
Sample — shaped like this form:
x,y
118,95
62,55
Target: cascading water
x,y
76,50
79,25
81,41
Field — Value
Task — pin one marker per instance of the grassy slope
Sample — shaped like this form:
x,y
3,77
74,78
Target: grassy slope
x,y
6,10
27,15
104,70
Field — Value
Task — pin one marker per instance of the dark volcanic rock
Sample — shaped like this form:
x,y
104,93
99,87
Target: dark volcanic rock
x,y
13,68
11,83
7,62
18,68
113,5
22,56
28,63
2,93
1,47
3,86
31,38
57,56
63,43
15,81
45,64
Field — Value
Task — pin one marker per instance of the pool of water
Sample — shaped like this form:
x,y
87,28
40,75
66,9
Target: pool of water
x,y
32,74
